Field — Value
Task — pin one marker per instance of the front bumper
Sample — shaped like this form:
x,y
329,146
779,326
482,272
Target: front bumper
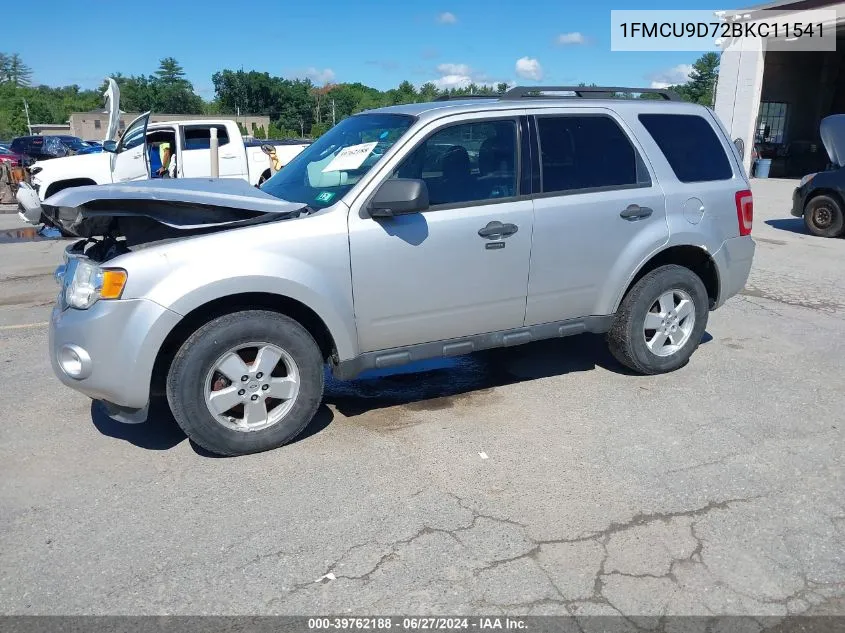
x,y
120,340
798,203
733,261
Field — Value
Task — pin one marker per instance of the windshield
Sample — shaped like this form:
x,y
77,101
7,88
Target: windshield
x,y
325,170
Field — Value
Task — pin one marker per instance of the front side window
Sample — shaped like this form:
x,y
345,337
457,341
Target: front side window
x,y
587,152
328,168
467,162
134,135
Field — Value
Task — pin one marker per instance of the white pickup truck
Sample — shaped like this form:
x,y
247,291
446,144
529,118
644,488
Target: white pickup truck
x,y
128,159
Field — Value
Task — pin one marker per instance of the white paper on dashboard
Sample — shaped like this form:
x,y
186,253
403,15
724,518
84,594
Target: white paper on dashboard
x,y
351,157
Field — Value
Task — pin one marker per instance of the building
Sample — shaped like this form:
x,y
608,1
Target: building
x,y
92,125
773,98
50,129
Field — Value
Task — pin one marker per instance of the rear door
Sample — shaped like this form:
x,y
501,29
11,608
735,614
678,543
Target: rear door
x,y
599,213
130,160
196,152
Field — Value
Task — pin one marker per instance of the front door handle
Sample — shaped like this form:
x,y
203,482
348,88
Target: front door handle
x,y
495,230
636,212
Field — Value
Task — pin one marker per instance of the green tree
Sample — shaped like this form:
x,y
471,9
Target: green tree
x,y
702,82
429,92
14,71
170,72
501,88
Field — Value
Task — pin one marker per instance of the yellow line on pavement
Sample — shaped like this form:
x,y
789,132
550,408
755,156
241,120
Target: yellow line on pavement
x,y
23,326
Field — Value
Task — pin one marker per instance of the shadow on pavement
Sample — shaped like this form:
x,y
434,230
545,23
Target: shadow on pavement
x,y
793,225
160,432
439,379
425,384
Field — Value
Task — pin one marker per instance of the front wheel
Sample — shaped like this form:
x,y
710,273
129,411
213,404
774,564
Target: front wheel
x,y
823,217
661,321
246,382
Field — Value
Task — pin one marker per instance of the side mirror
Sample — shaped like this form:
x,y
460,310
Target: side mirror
x,y
110,146
399,196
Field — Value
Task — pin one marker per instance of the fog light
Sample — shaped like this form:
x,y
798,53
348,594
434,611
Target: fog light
x,y
75,361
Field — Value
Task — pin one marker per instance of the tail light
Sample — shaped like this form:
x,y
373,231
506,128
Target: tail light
x,y
744,211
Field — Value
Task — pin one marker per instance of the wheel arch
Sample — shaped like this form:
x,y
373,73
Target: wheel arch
x,y
61,185
214,308
825,191
695,258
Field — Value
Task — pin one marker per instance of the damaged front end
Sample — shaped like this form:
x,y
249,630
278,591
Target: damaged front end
x,y
117,218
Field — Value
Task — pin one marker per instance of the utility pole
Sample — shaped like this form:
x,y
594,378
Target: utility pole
x,y
333,118
28,122
301,128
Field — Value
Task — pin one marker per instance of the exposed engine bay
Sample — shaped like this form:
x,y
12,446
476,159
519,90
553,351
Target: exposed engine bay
x,y
119,217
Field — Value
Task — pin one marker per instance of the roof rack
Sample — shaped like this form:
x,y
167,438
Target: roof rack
x,y
583,92
461,97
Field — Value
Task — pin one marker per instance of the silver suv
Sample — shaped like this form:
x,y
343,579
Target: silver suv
x,y
404,233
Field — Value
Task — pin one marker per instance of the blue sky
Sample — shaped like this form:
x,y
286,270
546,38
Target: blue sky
x,y
378,43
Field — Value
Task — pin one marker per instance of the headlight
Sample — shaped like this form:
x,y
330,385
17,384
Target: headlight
x,y
84,283
806,179
35,170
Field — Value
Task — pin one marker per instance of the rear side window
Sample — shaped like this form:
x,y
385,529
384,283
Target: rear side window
x,y
200,137
587,152
690,145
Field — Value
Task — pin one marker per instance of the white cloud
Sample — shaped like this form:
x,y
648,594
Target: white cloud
x,y
318,76
447,18
461,75
452,81
529,68
671,76
453,69
565,39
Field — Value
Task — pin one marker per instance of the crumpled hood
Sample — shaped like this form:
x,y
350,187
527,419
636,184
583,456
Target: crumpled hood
x,y
149,210
832,131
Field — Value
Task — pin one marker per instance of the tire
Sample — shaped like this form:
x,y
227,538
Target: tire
x,y
823,217
193,370
627,338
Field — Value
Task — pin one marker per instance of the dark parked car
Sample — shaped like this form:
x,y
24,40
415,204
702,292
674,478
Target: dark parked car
x,y
40,147
820,197
73,143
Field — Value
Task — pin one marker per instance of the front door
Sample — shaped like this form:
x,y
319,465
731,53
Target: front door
x,y
130,160
599,214
453,270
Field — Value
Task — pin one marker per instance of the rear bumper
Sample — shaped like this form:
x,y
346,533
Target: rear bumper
x,y
733,261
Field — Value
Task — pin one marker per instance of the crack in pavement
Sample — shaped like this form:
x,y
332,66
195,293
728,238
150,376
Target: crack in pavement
x,y
602,537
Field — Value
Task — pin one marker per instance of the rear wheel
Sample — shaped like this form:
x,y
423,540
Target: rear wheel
x,y
661,321
823,217
246,382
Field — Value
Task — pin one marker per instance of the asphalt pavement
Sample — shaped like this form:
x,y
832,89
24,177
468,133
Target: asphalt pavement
x,y
535,480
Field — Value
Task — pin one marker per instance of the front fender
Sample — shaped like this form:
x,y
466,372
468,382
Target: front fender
x,y
304,259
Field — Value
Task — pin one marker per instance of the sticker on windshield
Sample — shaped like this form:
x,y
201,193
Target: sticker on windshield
x,y
324,196
351,157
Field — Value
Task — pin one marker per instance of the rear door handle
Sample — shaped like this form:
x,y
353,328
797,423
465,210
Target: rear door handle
x,y
495,230
636,212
